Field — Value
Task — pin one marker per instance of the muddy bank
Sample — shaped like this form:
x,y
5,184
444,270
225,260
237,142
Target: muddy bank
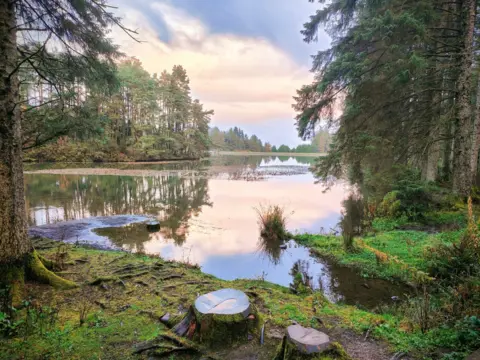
x,y
82,230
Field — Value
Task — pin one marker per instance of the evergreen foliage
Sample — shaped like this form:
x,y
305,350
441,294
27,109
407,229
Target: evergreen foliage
x,y
146,117
397,84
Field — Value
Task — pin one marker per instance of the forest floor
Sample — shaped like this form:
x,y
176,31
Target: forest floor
x,y
122,297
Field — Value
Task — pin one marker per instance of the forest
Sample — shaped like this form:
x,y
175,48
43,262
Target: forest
x,y
363,246
135,116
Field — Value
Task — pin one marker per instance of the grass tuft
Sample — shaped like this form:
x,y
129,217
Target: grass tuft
x,y
272,222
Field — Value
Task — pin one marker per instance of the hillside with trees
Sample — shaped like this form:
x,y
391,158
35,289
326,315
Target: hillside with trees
x,y
139,116
236,139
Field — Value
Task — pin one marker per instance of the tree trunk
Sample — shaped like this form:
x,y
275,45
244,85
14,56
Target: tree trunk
x,y
476,135
16,250
462,179
14,243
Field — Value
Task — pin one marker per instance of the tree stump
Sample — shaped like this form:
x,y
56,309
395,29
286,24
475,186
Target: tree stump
x,y
220,318
153,225
308,344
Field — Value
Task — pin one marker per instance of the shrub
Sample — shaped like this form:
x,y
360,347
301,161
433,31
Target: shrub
x,y
272,222
457,261
352,220
388,224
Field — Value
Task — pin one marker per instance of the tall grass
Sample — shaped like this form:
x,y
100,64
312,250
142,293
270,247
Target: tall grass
x,y
272,222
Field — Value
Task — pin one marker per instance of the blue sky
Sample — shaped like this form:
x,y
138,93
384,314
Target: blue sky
x,y
245,58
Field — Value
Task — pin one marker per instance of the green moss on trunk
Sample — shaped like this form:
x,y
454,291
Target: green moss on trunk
x,y
13,278
217,330
37,271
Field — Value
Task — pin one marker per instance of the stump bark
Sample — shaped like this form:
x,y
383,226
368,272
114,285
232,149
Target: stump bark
x,y
220,318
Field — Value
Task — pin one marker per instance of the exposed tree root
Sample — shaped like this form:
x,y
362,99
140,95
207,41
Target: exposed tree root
x,y
117,259
49,264
129,276
172,276
167,344
37,271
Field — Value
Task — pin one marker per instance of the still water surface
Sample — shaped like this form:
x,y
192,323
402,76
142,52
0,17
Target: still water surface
x,y
207,215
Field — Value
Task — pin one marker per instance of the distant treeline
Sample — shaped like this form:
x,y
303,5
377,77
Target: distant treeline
x,y
236,139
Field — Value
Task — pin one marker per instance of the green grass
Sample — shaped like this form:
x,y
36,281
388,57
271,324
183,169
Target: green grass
x,y
408,247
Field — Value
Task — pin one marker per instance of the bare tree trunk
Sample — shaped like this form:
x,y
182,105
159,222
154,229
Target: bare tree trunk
x,y
14,243
476,135
462,178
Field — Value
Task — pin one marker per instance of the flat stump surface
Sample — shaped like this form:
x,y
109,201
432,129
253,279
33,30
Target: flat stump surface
x,y
308,340
224,302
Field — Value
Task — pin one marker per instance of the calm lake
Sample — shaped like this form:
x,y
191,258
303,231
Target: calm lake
x,y
207,214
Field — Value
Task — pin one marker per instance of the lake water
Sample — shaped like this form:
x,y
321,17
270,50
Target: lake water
x,y
207,214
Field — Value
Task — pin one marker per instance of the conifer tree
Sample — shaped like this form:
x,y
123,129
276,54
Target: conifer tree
x,y
78,30
396,84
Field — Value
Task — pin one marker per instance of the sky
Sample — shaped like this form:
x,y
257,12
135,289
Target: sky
x,y
245,58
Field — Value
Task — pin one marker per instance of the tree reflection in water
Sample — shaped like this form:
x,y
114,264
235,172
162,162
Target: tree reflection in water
x,y
173,200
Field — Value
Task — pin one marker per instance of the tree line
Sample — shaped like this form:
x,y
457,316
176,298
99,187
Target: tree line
x,y
401,87
235,139
138,117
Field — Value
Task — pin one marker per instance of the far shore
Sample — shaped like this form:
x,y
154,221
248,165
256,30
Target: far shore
x,y
246,153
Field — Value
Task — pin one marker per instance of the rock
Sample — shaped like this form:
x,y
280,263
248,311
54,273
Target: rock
x,y
395,298
308,340
283,247
165,318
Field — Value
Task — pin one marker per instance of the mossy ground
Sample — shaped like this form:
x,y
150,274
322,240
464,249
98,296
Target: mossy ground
x,y
395,254
122,296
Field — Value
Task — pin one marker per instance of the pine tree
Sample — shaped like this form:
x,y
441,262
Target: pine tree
x,y
402,74
78,28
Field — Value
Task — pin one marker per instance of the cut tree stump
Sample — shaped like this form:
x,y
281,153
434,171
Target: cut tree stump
x,y
153,225
308,344
220,318
308,340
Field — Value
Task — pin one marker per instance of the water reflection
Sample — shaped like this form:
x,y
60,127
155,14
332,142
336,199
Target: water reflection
x,y
171,199
210,220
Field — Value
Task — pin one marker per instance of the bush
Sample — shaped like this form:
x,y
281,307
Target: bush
x,y
388,224
460,260
272,221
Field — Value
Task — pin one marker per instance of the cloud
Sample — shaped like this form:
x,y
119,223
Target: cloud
x,y
244,79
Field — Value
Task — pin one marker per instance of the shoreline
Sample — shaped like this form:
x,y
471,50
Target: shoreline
x,y
130,291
